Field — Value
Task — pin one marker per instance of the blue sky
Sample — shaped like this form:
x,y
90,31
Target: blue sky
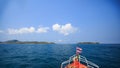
x,y
61,21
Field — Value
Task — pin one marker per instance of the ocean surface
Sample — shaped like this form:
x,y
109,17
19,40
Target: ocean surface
x,y
52,55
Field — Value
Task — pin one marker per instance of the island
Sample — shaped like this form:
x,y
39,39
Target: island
x,y
88,43
25,42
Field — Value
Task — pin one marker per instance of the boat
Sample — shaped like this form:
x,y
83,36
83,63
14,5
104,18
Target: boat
x,y
78,61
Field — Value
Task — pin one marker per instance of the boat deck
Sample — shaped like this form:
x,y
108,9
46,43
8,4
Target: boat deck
x,y
76,64
80,62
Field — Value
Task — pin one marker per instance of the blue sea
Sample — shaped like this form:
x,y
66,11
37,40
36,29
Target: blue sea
x,y
52,55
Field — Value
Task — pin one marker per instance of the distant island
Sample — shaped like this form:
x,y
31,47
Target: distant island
x,y
39,42
25,42
88,43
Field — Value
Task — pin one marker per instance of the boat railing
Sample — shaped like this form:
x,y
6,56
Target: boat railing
x,y
82,59
64,64
92,65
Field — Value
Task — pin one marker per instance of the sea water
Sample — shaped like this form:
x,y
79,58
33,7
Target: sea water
x,y
52,55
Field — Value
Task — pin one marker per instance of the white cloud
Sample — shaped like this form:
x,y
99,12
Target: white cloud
x,y
21,30
60,40
56,27
42,29
26,30
64,29
1,31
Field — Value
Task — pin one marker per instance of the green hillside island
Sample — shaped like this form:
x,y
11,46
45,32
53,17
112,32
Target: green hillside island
x,y
88,43
25,42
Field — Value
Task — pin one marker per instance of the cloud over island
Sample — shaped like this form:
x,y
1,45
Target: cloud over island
x,y
21,30
25,30
65,29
